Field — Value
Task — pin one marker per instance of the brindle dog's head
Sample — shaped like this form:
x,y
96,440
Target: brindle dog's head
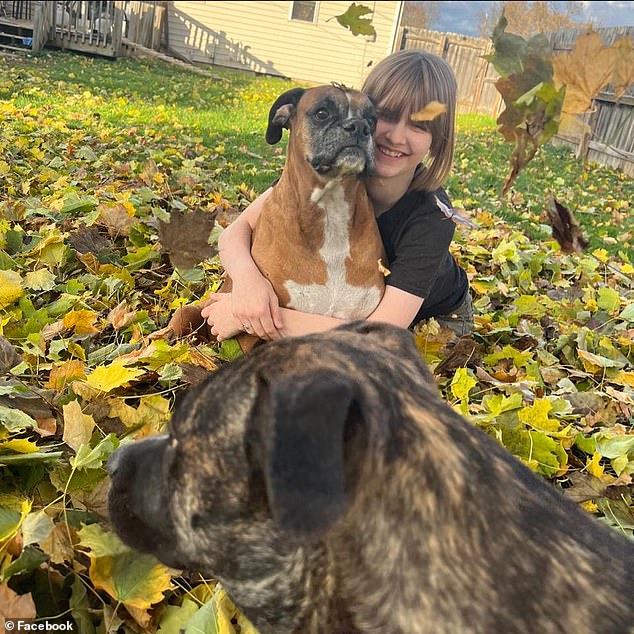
x,y
262,458
331,128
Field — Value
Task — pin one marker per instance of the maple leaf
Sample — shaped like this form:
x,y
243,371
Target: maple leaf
x,y
108,378
134,579
186,238
352,19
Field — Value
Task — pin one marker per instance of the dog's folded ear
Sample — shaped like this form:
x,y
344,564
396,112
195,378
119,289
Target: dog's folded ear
x,y
304,449
281,113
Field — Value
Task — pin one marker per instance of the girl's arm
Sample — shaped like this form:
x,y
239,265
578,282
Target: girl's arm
x,y
396,307
253,300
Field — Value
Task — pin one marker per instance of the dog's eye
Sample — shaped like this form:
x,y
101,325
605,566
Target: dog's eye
x,y
322,114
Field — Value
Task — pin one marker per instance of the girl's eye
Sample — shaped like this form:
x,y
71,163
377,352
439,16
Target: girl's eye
x,y
322,114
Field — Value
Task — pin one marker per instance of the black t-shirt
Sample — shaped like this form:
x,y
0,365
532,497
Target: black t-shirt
x,y
416,235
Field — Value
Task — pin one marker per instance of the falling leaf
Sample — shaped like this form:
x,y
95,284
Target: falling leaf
x,y
566,230
352,19
186,238
78,427
432,110
383,269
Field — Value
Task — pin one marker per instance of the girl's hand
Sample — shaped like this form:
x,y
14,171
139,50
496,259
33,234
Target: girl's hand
x,y
223,325
256,306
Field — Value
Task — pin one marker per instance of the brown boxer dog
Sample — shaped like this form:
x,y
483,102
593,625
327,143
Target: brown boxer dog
x,y
327,486
316,239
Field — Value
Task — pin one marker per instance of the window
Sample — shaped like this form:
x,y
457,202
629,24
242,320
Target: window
x,y
304,11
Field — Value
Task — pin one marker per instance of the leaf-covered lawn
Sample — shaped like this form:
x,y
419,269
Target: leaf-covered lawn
x,y
95,153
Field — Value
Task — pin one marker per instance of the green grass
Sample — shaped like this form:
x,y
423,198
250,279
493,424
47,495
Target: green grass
x,y
228,116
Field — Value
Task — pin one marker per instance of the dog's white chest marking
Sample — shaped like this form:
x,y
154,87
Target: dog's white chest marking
x,y
335,298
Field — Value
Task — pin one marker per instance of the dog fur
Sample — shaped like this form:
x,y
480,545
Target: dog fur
x,y
326,485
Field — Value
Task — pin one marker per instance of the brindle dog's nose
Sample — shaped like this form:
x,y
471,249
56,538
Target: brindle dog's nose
x,y
360,127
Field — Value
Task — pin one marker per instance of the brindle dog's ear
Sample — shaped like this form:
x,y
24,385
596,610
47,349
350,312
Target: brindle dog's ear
x,y
281,112
304,461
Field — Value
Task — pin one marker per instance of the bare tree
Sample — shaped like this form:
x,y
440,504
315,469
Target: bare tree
x,y
529,18
419,15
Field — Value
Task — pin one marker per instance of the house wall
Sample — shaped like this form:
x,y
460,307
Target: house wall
x,y
259,36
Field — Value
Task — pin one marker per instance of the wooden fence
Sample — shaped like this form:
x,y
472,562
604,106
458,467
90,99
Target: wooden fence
x,y
475,76
611,137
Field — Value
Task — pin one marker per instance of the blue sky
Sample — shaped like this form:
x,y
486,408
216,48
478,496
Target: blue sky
x,y
464,16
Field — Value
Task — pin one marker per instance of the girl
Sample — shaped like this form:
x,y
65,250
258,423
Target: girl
x,y
413,214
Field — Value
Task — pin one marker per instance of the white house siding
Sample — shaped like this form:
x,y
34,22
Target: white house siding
x,y
260,36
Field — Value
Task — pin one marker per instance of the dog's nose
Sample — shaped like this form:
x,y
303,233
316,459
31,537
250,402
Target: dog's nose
x,y
360,127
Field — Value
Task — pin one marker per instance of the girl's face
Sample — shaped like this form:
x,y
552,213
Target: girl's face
x,y
400,145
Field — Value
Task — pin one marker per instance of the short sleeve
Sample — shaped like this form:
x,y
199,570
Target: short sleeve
x,y
420,250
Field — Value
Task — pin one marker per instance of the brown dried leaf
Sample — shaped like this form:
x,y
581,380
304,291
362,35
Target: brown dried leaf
x,y
15,606
432,110
116,218
88,240
120,317
186,238
566,230
9,356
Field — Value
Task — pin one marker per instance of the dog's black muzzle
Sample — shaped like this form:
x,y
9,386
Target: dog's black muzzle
x,y
138,501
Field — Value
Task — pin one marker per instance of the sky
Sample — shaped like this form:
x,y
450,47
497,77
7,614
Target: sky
x,y
464,16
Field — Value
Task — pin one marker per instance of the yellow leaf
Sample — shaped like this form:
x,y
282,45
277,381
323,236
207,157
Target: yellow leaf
x,y
78,427
4,168
601,255
14,510
81,321
40,280
429,112
19,445
108,378
624,378
461,384
594,467
64,373
536,416
10,287
136,580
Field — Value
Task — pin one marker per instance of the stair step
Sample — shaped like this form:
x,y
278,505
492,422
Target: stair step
x,y
14,48
13,36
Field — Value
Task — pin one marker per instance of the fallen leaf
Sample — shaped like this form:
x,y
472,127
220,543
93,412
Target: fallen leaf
x,y
108,378
78,427
14,605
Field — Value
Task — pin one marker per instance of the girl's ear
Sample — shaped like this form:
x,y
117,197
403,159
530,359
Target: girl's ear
x,y
281,113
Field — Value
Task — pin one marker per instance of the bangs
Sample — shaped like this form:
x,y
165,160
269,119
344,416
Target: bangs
x,y
409,89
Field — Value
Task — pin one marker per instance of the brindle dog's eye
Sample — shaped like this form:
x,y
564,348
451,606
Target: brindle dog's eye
x,y
322,114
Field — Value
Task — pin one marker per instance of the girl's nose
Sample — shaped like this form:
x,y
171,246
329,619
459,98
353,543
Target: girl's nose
x,y
395,132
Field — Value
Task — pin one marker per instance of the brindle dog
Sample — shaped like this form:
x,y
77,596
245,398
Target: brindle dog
x,y
323,481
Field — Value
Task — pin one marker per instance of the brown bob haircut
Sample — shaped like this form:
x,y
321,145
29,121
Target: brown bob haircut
x,y
404,83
